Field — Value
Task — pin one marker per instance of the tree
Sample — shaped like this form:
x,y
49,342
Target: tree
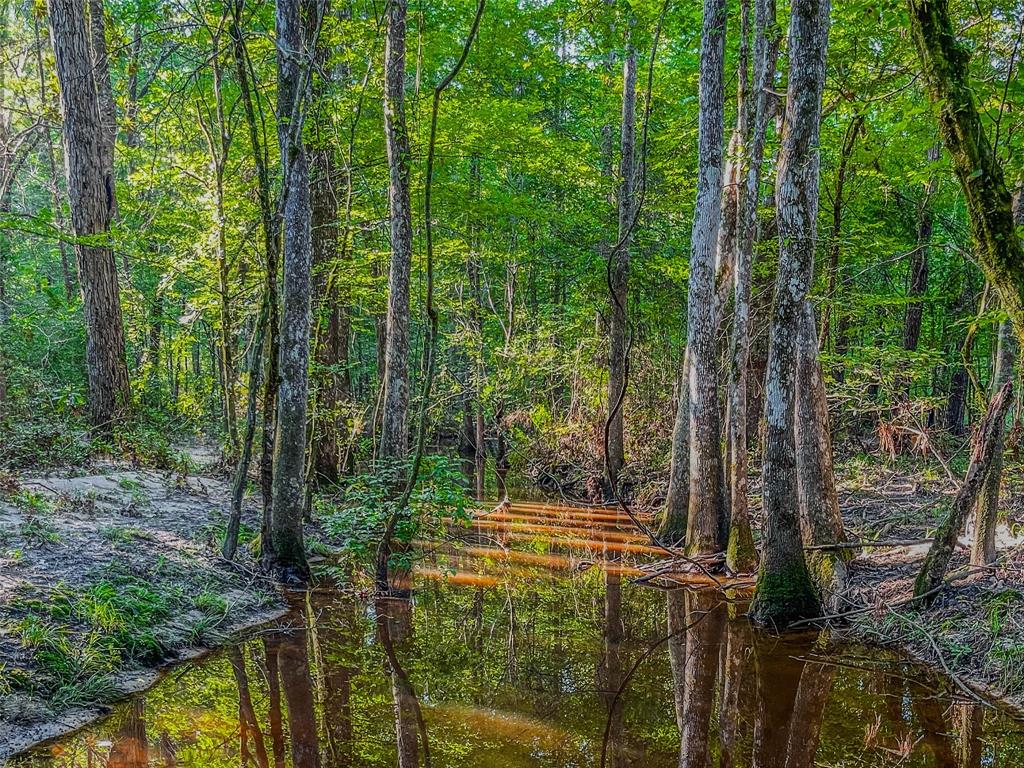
x,y
394,439
90,184
784,589
944,63
618,271
706,516
285,553
740,552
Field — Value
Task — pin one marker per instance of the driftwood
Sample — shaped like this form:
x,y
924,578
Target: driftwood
x,y
984,445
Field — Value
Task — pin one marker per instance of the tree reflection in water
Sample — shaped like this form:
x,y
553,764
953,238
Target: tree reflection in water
x,y
539,672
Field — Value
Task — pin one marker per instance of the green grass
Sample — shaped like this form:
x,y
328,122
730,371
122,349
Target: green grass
x,y
78,639
123,534
39,531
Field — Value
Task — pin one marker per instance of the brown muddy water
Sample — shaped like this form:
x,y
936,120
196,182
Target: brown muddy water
x,y
543,655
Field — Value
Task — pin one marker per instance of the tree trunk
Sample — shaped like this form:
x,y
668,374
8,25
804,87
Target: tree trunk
x,y
784,589
218,138
91,192
394,439
618,272
918,286
672,526
986,513
835,246
104,88
945,63
333,382
820,520
983,550
740,553
285,554
987,437
706,522
479,375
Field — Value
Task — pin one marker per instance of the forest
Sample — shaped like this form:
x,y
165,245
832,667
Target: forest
x,y
623,382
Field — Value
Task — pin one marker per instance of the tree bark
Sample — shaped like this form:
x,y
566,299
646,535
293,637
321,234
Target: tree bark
x,y
986,513
285,554
784,589
820,520
706,521
333,382
618,271
394,439
945,63
672,526
741,555
983,550
91,192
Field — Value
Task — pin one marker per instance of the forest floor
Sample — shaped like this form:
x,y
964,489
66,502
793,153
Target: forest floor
x,y
974,630
106,574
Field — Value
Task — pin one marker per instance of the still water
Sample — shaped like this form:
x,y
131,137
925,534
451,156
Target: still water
x,y
545,655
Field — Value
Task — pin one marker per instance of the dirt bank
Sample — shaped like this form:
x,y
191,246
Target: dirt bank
x,y
973,632
106,575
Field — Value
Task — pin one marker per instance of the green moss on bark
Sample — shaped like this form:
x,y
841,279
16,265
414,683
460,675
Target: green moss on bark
x,y
784,596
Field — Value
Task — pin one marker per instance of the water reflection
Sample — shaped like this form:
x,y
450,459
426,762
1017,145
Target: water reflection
x,y
579,670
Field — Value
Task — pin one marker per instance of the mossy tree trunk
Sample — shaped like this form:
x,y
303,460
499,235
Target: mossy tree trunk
x,y
785,591
944,62
394,438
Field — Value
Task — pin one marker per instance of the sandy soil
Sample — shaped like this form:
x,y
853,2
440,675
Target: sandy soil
x,y
68,531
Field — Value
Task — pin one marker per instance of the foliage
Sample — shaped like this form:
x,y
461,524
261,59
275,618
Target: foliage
x,y
355,516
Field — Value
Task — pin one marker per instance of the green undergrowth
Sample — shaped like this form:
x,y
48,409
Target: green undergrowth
x,y
77,639
355,514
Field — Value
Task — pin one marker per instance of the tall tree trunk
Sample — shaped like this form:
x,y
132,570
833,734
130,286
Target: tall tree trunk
x,y
394,439
946,72
91,192
983,549
478,376
285,554
271,250
333,383
986,513
740,552
706,528
784,589
618,271
820,520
